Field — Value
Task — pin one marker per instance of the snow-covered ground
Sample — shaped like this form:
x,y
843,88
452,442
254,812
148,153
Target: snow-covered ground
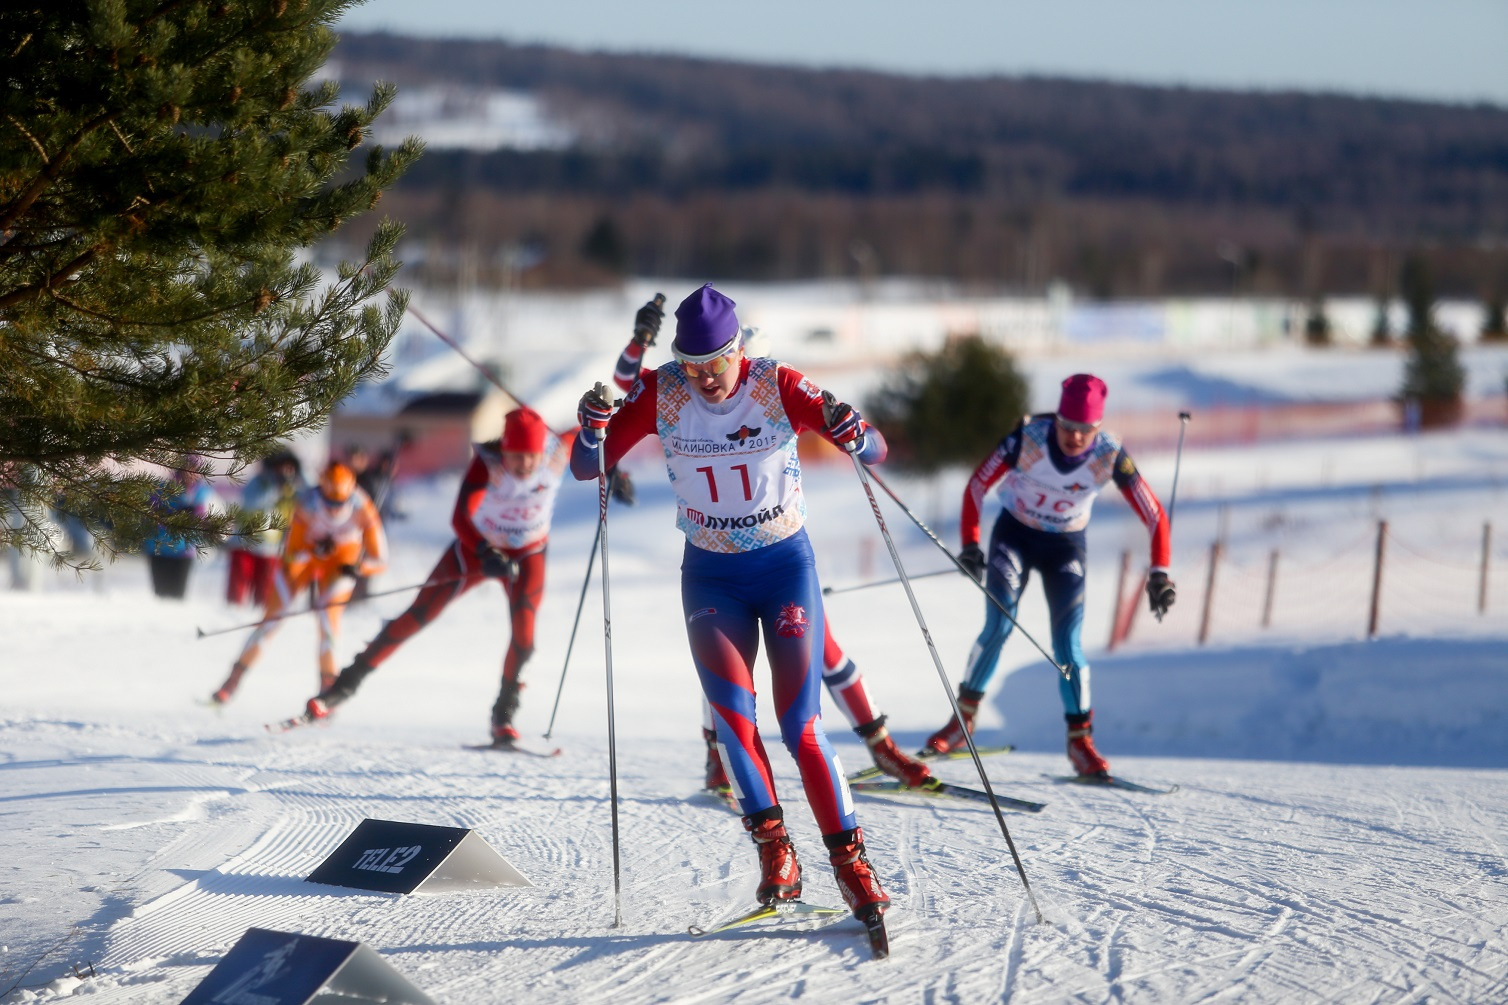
x,y
1338,834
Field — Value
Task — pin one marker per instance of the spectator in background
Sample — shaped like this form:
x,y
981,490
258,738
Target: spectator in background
x,y
169,555
254,557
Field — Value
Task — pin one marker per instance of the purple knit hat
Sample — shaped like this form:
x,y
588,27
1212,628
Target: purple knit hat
x,y
705,326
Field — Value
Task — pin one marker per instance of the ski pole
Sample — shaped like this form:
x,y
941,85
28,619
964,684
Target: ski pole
x,y
828,402
607,644
314,608
580,603
967,575
828,591
1183,425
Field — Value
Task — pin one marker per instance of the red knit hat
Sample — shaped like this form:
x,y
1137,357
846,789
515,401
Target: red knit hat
x,y
1083,399
524,431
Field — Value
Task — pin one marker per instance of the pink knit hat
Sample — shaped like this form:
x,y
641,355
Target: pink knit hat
x,y
1083,399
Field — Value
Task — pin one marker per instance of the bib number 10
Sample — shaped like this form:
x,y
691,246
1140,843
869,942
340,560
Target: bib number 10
x,y
743,475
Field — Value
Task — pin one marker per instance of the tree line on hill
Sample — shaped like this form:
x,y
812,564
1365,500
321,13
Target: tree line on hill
x,y
696,167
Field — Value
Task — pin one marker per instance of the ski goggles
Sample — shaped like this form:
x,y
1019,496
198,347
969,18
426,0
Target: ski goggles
x,y
711,368
1082,428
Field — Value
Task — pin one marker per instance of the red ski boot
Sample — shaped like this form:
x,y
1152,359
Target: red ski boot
x,y
779,872
1081,753
951,736
856,879
888,757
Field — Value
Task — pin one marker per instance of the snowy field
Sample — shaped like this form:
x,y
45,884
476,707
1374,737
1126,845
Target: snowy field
x,y
1338,834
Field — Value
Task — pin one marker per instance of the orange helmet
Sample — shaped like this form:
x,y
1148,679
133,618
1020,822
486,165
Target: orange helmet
x,y
337,482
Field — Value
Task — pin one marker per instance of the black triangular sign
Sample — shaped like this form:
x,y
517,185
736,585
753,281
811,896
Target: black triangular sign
x,y
392,857
285,968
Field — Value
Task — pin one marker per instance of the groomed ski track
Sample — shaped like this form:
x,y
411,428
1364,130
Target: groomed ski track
x,y
1387,874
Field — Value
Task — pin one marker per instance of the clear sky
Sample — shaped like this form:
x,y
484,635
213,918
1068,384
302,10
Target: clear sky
x,y
1450,50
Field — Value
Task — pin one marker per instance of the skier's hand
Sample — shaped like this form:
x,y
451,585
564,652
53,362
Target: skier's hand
x,y
322,547
497,565
845,425
1160,593
647,322
595,410
621,486
351,571
972,559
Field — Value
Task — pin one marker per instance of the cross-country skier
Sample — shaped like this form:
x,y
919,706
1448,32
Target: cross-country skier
x,y
728,425
845,684
1050,468
502,524
334,538
253,560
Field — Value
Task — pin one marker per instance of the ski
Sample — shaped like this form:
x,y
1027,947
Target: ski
x,y
937,789
1114,782
927,755
793,909
302,719
879,939
723,796
514,747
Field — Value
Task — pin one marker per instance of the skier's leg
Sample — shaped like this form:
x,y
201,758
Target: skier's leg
x,y
1063,581
330,605
524,595
724,638
850,693
792,619
278,601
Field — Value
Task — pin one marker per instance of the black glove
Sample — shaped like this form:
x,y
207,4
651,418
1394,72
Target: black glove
x,y
1160,593
350,570
621,486
972,560
647,324
497,565
322,547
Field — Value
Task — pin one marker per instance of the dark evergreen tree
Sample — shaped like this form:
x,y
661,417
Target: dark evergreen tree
x,y
950,407
1433,376
162,167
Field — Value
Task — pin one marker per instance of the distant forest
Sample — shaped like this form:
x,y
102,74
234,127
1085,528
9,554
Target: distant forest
x,y
691,167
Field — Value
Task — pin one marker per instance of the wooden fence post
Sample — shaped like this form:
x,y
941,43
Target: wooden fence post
x,y
1486,554
1272,581
1116,635
1382,537
1209,594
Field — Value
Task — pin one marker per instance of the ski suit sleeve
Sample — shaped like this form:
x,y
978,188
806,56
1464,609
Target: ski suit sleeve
x,y
297,550
1139,494
627,371
629,424
468,498
802,401
989,471
373,540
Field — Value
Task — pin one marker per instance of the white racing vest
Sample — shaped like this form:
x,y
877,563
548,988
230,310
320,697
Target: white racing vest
x,y
516,512
1037,494
736,475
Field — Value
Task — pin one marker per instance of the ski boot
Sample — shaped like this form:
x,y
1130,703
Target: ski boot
x,y
1081,753
504,735
951,736
779,872
888,757
228,689
337,690
856,879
